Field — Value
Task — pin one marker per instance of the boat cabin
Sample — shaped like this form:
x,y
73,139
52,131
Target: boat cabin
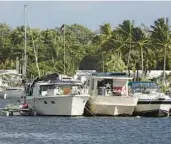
x,y
107,84
53,89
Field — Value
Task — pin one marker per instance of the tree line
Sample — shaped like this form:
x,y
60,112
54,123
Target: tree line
x,y
125,47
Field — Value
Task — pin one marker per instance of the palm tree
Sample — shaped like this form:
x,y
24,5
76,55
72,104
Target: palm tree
x,y
141,41
105,33
109,41
126,30
161,38
100,40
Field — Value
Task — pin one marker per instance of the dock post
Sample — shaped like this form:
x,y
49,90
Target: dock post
x,y
35,113
5,96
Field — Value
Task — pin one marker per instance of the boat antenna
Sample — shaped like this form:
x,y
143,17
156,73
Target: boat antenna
x,y
25,43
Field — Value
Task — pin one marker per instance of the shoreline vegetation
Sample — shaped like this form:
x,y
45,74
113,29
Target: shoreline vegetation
x,y
125,47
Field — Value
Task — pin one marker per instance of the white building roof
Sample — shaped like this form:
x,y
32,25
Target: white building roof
x,y
2,72
150,74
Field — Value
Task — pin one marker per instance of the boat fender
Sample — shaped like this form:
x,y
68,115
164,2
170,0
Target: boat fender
x,y
7,114
25,105
5,96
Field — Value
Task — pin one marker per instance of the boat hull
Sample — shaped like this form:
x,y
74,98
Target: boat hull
x,y
153,108
58,105
112,105
12,94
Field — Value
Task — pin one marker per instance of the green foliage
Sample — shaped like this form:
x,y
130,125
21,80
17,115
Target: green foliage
x,y
161,39
124,47
113,63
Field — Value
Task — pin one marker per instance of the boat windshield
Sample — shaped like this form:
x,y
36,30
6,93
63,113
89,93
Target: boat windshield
x,y
46,87
145,87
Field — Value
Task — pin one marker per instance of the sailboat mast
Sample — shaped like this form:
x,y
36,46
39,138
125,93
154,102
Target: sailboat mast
x,y
64,49
25,43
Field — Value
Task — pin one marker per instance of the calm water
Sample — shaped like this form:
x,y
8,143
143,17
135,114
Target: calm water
x,y
82,130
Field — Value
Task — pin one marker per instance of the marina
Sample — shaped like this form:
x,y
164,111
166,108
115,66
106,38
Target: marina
x,y
85,72
82,93
96,94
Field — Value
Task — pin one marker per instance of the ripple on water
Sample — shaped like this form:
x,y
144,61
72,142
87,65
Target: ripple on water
x,y
84,130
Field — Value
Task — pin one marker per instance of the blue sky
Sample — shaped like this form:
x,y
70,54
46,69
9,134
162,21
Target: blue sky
x,y
91,14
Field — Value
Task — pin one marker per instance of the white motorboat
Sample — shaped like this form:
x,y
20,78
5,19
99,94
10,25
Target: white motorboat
x,y
8,86
60,98
12,93
151,102
109,95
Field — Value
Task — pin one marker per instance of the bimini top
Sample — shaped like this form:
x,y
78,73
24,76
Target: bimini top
x,y
145,84
111,75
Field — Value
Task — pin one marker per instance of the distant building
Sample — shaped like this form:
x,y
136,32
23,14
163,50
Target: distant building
x,y
2,72
150,74
9,77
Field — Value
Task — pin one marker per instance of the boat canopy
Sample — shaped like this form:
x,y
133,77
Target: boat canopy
x,y
111,75
144,84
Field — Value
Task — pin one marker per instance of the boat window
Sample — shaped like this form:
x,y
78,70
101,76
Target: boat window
x,y
110,87
105,83
46,87
105,87
10,89
45,102
53,102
